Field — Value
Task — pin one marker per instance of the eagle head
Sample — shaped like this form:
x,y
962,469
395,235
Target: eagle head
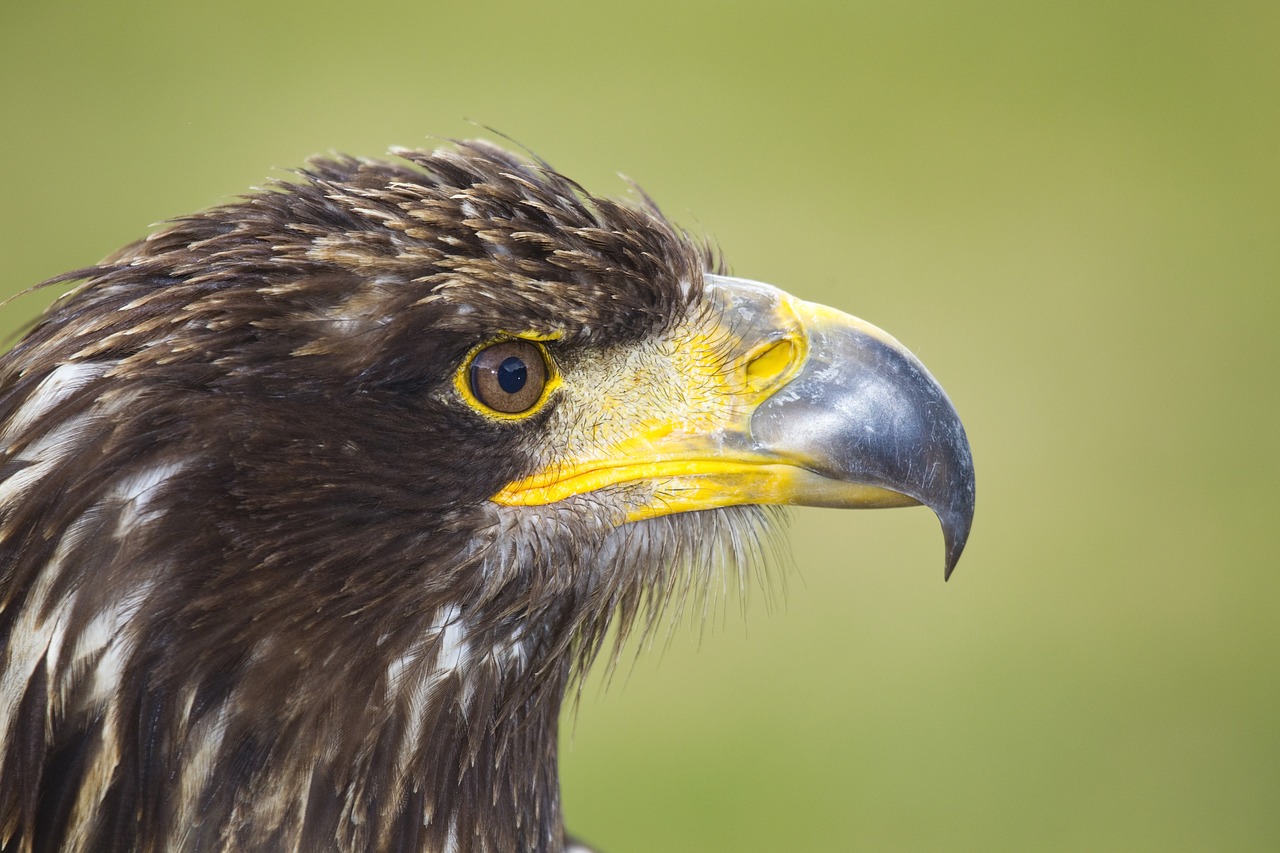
x,y
312,505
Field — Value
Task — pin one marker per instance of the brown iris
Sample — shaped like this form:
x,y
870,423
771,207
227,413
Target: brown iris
x,y
509,377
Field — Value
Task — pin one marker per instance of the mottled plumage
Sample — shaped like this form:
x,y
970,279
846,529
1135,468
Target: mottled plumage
x,y
256,592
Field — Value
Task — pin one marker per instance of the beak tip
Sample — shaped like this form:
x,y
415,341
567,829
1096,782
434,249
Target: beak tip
x,y
955,528
953,557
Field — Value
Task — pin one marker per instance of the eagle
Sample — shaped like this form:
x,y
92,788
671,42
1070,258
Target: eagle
x,y
314,505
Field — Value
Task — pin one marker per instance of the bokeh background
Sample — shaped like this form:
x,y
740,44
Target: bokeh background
x,y
1071,211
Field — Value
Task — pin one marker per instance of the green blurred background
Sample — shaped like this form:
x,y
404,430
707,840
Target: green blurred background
x,y
1070,211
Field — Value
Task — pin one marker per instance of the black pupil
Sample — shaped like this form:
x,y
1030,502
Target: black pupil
x,y
512,374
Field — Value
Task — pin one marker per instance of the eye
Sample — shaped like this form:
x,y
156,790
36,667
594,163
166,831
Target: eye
x,y
509,377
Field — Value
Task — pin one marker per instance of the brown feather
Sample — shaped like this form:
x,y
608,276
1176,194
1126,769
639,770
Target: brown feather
x,y
253,595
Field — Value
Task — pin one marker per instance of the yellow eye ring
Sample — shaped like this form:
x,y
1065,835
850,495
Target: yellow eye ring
x,y
508,378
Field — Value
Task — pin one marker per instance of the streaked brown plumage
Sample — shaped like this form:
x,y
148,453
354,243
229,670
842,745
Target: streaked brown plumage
x,y
256,590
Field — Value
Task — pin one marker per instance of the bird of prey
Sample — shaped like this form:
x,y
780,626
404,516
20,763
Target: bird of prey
x,y
313,505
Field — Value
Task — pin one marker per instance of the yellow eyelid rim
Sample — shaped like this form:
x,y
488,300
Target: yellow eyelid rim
x,y
462,377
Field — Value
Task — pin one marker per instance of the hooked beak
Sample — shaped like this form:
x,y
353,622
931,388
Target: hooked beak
x,y
864,412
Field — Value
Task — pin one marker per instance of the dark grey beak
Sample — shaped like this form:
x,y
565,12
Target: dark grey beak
x,y
864,412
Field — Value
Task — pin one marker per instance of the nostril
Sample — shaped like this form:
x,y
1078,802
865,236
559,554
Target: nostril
x,y
769,362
